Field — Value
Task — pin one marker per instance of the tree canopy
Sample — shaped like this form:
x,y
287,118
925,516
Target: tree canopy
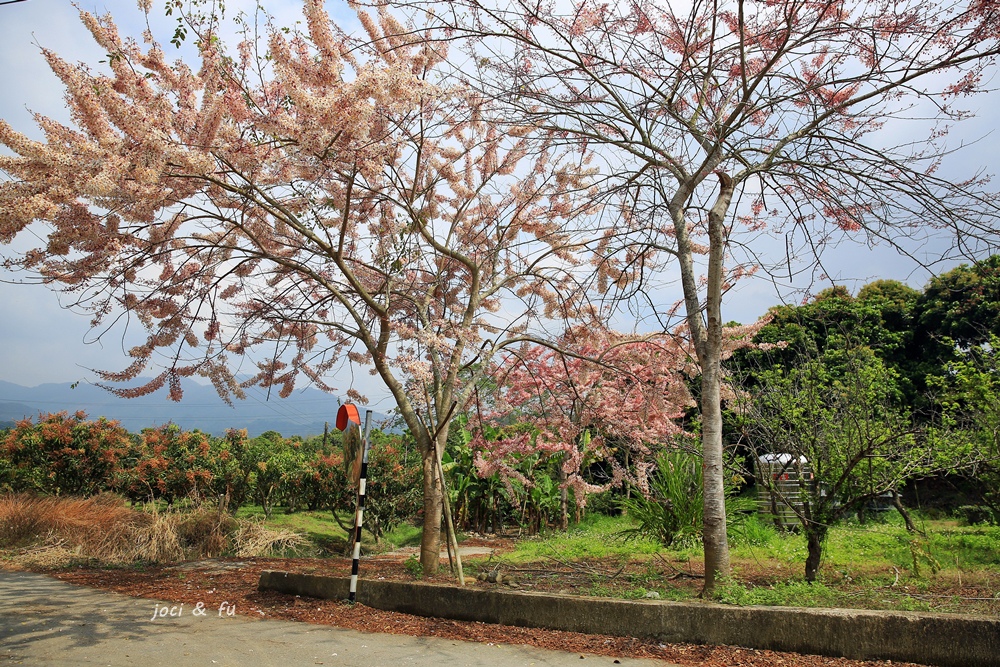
x,y
718,120
309,201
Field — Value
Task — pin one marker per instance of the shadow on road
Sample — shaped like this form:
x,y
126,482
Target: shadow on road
x,y
44,622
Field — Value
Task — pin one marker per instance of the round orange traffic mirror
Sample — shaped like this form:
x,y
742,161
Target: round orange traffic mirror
x,y
346,414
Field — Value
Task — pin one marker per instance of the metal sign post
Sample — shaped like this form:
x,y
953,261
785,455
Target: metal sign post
x,y
347,417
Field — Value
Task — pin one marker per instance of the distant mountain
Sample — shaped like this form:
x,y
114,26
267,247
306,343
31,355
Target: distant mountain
x,y
11,411
303,413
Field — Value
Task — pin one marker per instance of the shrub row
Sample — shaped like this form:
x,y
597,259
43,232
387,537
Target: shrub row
x,y
69,455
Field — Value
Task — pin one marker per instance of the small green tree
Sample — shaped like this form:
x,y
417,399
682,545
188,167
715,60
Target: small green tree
x,y
233,475
840,415
273,459
325,484
968,395
393,493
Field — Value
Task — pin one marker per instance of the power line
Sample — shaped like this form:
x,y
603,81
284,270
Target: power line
x,y
11,2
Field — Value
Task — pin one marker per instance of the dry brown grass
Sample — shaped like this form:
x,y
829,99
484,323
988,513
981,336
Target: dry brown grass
x,y
49,532
24,519
253,539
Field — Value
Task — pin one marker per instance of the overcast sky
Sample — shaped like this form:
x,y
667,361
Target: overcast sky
x,y
41,342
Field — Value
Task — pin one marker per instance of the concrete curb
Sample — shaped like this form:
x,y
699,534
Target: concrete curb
x,y
947,640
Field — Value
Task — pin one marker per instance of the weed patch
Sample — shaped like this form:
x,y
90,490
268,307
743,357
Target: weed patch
x,y
789,593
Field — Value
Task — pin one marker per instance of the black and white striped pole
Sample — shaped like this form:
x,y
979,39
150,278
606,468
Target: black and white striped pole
x,y
347,417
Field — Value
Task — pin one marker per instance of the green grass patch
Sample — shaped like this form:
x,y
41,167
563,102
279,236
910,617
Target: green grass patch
x,y
404,535
597,536
875,565
942,547
323,531
319,528
876,545
797,593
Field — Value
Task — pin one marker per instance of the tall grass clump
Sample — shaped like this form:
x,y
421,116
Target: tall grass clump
x,y
754,531
25,519
672,510
53,531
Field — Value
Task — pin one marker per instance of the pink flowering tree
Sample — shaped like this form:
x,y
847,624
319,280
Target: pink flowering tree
x,y
594,392
305,201
589,393
717,122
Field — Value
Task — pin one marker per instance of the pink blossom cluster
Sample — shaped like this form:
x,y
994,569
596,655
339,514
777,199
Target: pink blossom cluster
x,y
308,200
590,398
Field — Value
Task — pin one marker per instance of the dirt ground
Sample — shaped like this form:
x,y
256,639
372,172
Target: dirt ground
x,y
234,580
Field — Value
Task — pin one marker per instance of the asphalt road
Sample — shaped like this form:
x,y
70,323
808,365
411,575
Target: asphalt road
x,y
44,621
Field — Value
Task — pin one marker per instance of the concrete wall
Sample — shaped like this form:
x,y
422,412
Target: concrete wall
x,y
932,639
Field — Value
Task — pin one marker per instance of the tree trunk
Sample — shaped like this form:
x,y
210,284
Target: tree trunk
x,y
497,515
430,540
563,500
714,536
815,534
628,487
898,503
709,349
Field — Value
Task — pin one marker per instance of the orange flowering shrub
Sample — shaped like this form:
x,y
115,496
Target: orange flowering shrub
x,y
170,464
63,454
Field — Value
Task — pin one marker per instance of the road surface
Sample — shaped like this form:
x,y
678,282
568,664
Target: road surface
x,y
44,622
